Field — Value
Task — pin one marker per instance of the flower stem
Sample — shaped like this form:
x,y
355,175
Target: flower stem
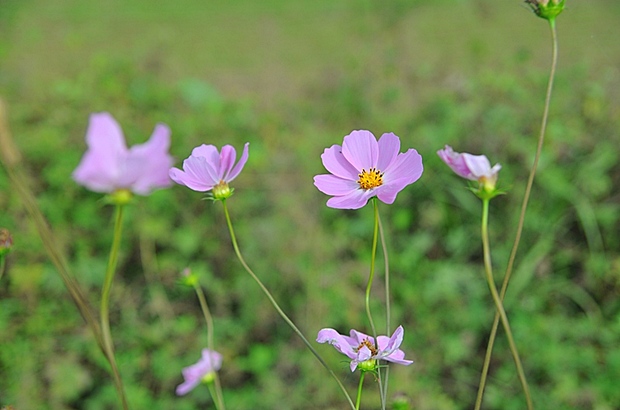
x,y
277,307
498,304
2,265
388,330
359,391
526,198
105,301
371,276
217,395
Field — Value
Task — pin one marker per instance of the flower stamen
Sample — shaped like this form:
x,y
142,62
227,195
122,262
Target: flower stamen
x,y
370,345
370,179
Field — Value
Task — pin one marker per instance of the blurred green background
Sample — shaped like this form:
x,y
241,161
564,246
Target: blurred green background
x,y
293,78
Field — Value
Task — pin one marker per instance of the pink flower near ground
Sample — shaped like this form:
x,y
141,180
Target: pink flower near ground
x,y
108,165
209,363
361,348
363,168
207,169
472,167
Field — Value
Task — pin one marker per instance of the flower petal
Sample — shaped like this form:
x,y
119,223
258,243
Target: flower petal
x,y
337,164
456,162
394,342
478,165
237,169
228,155
333,185
196,175
407,166
337,340
389,146
353,200
361,149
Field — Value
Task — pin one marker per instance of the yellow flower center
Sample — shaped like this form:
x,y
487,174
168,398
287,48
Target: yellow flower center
x,y
370,179
369,345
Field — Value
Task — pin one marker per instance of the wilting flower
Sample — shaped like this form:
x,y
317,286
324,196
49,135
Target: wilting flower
x,y
363,168
361,348
108,166
547,9
207,169
204,370
472,167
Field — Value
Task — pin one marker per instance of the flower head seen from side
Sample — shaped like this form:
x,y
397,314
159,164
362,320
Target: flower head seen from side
x,y
206,169
109,166
361,348
202,371
472,167
363,168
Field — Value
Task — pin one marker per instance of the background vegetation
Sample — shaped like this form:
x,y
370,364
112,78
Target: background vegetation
x,y
293,78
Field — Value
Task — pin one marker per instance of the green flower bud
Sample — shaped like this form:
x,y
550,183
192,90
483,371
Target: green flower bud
x,y
368,365
546,9
222,191
120,197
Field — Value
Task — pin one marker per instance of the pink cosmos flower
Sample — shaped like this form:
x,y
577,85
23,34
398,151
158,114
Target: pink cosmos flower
x,y
472,167
207,169
362,168
361,348
209,363
108,166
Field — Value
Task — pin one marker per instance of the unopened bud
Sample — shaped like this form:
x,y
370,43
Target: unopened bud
x,y
547,9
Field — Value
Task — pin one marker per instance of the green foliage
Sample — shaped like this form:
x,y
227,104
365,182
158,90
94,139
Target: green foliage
x,y
562,302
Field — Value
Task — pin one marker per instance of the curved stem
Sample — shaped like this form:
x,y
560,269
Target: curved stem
x,y
498,302
217,395
526,198
358,401
277,307
105,302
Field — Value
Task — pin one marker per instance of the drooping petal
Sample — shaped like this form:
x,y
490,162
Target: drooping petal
x,y
210,361
398,357
389,147
333,185
361,149
335,162
237,168
196,175
337,340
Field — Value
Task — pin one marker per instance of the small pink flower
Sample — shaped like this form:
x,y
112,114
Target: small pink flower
x,y
108,166
472,167
207,169
363,168
361,348
209,363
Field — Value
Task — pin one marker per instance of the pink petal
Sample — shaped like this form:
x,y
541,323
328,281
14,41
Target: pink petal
x,y
456,162
337,340
389,146
237,169
360,148
147,164
332,185
407,166
354,200
478,165
228,156
196,174
337,164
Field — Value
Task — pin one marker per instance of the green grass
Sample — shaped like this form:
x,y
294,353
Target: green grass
x,y
293,80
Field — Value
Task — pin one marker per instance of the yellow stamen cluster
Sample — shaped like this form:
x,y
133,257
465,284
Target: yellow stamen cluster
x,y
370,345
370,179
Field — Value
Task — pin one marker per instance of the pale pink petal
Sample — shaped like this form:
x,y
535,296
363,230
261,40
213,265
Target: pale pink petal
x,y
478,165
456,162
353,200
197,174
337,340
407,166
333,185
360,148
389,147
337,164
147,164
228,156
237,169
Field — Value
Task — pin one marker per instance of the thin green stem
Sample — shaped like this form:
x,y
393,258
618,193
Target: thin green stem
x,y
218,397
388,327
498,302
526,198
359,391
2,264
105,302
277,307
373,255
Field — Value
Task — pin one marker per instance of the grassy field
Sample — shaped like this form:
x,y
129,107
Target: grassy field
x,y
293,78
